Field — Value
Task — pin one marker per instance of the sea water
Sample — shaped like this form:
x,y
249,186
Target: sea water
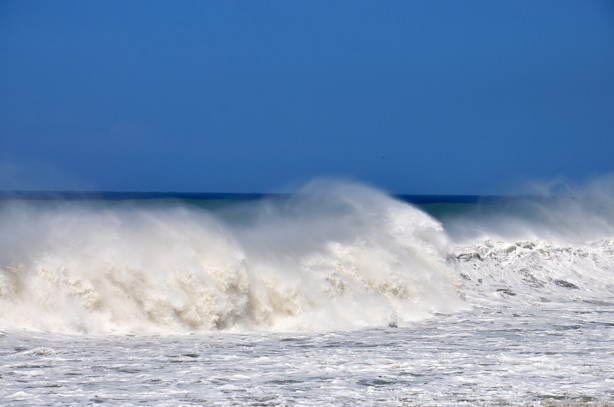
x,y
337,295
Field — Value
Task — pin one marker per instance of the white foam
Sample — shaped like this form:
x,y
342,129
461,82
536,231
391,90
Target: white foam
x,y
537,271
553,247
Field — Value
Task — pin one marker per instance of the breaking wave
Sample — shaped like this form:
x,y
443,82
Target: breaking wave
x,y
556,246
331,257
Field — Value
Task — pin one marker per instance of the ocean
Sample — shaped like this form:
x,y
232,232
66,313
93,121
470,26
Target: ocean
x,y
336,295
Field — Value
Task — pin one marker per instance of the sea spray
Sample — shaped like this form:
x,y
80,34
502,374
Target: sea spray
x,y
333,256
559,212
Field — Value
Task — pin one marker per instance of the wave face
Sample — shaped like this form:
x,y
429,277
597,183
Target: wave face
x,y
331,257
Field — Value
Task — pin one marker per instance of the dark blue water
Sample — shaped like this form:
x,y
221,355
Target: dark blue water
x,y
436,205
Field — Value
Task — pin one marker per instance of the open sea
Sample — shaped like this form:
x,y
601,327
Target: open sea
x,y
337,295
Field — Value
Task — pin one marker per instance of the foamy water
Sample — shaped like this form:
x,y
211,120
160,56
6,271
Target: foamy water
x,y
339,295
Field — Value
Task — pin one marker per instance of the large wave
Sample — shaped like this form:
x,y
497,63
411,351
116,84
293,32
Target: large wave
x,y
333,256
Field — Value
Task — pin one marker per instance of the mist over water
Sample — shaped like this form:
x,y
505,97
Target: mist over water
x,y
558,211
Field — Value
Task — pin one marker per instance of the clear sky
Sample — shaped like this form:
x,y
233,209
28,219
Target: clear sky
x,y
413,96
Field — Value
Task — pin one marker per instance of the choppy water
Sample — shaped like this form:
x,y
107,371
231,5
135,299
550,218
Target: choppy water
x,y
342,296
484,357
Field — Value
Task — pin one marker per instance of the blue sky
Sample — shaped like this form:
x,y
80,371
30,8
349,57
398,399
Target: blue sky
x,y
446,96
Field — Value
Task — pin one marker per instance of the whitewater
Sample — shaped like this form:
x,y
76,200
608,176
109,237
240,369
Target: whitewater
x,y
336,295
